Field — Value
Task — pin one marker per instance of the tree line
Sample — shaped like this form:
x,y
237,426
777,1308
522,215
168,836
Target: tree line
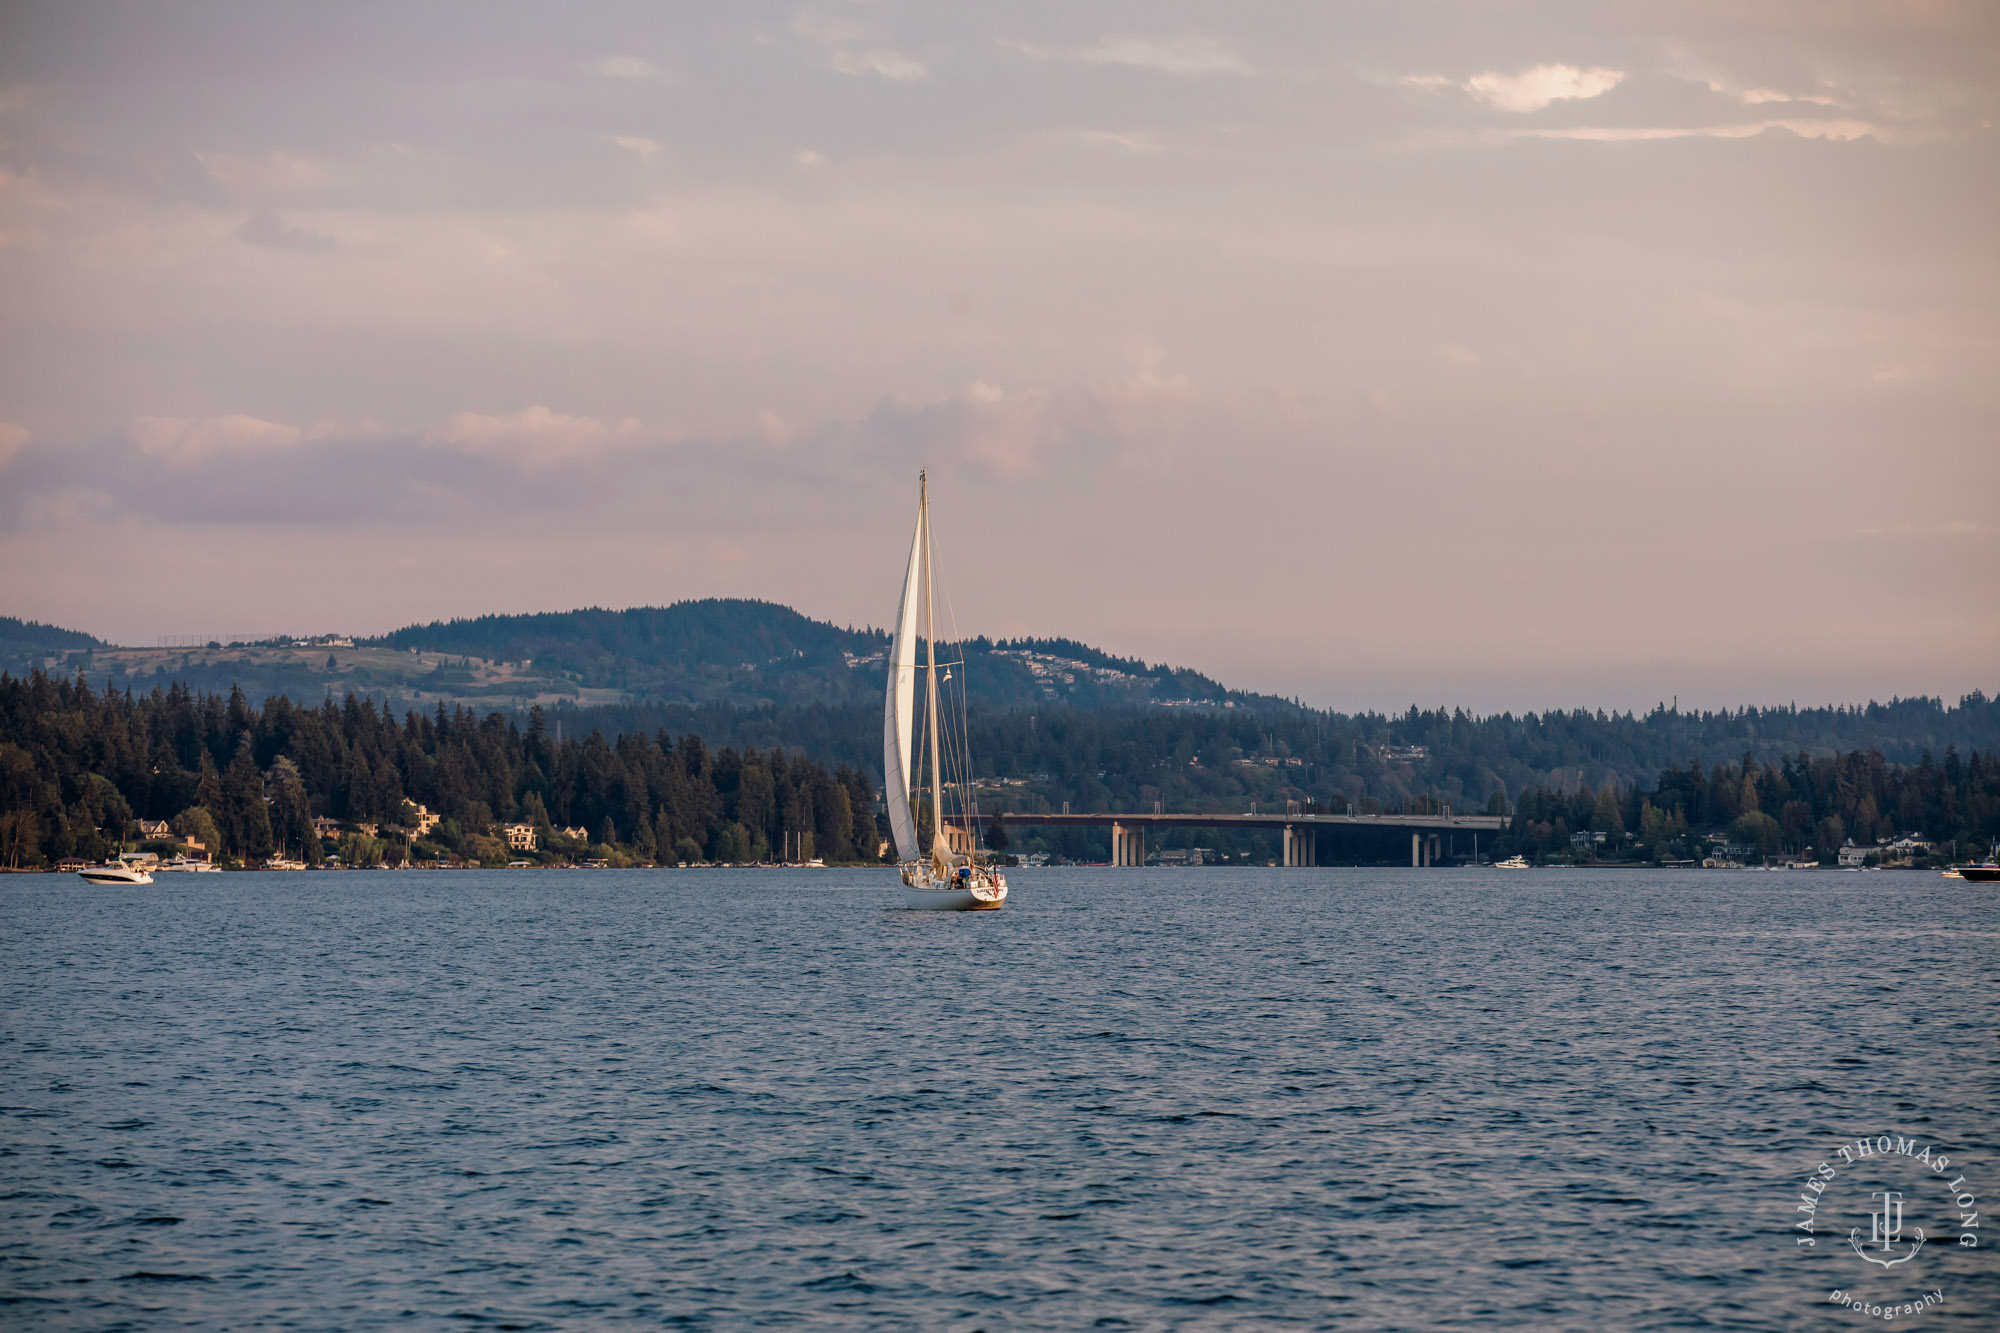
x,y
1213,758
1801,806
79,767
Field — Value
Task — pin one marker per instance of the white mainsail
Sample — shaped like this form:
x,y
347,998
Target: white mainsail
x,y
897,717
939,881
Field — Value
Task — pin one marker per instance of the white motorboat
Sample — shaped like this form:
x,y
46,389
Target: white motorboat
x,y
115,874
948,876
1512,863
187,866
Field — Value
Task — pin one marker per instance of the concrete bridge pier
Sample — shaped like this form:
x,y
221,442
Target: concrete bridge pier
x,y
1424,850
1128,845
1301,846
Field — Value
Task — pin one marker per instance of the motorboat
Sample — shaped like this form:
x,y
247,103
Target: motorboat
x,y
1516,862
949,875
1986,874
119,873
184,865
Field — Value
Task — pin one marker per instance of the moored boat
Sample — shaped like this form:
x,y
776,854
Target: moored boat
x,y
949,875
115,874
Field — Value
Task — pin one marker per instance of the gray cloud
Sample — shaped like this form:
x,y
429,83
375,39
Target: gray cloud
x,y
1183,54
264,227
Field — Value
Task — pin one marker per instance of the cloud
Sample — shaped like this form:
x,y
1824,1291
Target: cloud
x,y
1132,141
183,441
1146,387
632,143
12,437
1839,131
535,436
1017,434
1188,55
623,67
276,172
1529,90
264,227
854,50
1759,96
891,65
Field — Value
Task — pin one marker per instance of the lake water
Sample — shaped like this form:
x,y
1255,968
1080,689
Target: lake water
x,y
1133,1099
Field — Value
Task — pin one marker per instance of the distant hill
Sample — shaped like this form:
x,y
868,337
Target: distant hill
x,y
1053,720
726,650
716,652
25,644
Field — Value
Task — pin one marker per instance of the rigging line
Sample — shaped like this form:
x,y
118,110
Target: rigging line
x,y
959,762
968,796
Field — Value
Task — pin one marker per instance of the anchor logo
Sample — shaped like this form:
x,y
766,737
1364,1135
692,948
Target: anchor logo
x,y
1885,1229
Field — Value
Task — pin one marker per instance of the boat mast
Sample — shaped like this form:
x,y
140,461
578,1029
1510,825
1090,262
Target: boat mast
x,y
938,840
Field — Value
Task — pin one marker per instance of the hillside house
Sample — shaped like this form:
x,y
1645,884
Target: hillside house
x,y
1853,854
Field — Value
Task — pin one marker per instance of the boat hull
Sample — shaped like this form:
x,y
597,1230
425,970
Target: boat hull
x,y
1980,874
114,877
953,900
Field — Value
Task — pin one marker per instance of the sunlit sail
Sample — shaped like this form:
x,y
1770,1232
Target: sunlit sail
x,y
948,875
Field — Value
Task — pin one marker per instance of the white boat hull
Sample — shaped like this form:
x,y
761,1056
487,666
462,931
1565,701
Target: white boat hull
x,y
981,899
114,875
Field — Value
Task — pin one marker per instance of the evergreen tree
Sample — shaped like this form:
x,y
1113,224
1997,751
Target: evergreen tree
x,y
246,822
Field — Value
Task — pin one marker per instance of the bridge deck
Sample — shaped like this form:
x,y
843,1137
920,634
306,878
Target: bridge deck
x,y
1260,819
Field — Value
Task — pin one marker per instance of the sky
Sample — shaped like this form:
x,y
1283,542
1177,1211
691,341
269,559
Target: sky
x,y
1507,356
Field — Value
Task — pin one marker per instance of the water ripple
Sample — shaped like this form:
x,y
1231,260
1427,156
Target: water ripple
x,y
1134,1099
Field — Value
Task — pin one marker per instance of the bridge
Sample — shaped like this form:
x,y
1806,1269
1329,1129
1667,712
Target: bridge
x,y
1432,837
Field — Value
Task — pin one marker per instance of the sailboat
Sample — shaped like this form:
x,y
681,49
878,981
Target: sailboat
x,y
947,876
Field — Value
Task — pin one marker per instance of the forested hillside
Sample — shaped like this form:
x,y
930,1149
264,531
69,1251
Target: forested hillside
x,y
724,650
26,644
1231,758
744,654
1051,722
1803,807
717,649
78,767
